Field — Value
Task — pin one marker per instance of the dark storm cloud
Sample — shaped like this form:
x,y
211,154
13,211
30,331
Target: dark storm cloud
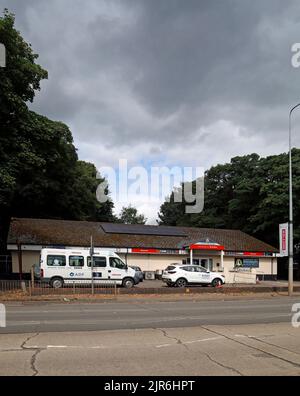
x,y
144,73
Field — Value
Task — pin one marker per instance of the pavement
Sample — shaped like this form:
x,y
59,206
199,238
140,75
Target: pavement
x,y
187,338
231,350
157,283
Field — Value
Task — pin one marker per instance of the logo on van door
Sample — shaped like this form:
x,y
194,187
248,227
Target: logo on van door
x,y
76,274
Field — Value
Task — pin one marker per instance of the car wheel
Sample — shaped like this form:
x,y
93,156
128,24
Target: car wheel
x,y
128,283
181,282
216,282
56,283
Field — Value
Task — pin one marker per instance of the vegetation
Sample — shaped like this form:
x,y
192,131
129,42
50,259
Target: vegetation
x,y
249,193
130,215
40,175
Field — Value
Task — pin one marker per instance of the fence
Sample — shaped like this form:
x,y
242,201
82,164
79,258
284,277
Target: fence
x,y
38,288
5,264
13,286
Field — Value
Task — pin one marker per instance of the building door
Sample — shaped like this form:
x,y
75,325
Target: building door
x,y
207,263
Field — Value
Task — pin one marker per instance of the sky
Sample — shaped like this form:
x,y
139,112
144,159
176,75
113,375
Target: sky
x,y
166,82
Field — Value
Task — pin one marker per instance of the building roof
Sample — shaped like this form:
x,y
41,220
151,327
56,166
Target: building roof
x,y
47,232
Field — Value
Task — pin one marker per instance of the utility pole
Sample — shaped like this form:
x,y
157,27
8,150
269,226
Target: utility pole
x,y
291,237
92,264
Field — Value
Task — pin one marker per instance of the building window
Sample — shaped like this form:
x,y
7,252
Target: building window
x,y
99,262
188,261
56,261
76,261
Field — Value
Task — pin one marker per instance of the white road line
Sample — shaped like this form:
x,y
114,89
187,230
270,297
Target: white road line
x,y
204,340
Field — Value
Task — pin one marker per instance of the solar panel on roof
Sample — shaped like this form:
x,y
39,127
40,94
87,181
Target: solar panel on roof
x,y
139,229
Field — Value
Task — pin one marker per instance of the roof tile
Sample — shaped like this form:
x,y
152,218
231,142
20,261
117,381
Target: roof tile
x,y
77,233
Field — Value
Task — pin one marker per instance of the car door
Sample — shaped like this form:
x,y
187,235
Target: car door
x,y
203,274
192,275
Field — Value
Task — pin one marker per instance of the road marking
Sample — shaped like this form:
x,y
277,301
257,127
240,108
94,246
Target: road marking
x,y
191,342
204,340
59,346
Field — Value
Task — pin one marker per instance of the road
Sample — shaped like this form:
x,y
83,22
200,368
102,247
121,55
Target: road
x,y
57,317
240,337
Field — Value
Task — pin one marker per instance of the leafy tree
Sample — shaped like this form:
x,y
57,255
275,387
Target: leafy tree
x,y
40,175
18,82
249,193
85,185
130,215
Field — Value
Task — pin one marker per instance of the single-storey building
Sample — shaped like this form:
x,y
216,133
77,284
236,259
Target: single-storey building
x,y
238,255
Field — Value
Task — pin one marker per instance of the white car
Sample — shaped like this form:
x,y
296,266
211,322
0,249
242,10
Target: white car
x,y
183,275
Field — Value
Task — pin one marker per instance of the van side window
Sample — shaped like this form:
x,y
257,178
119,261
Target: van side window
x,y
56,261
99,262
116,263
76,261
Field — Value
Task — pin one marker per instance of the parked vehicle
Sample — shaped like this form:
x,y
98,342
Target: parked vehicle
x,y
65,266
139,272
183,275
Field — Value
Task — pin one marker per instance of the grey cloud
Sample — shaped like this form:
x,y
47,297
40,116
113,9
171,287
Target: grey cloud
x,y
164,71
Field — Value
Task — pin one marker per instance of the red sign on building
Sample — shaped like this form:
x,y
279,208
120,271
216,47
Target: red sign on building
x,y
141,250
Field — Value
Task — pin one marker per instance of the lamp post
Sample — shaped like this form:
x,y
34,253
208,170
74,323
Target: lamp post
x,y
291,241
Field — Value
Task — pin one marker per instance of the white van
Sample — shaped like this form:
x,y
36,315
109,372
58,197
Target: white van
x,y
66,266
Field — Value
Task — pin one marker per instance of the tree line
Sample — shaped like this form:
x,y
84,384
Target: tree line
x,y
249,193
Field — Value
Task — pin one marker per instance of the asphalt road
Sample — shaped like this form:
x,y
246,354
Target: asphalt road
x,y
57,317
249,337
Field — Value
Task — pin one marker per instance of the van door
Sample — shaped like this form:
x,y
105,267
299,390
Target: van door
x,y
117,269
100,268
76,269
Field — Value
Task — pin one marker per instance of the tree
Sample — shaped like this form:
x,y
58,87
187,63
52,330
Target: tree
x,y
130,215
249,193
18,81
85,186
40,175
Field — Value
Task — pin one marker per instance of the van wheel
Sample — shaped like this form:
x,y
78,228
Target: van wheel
x,y
216,282
56,283
181,282
128,283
